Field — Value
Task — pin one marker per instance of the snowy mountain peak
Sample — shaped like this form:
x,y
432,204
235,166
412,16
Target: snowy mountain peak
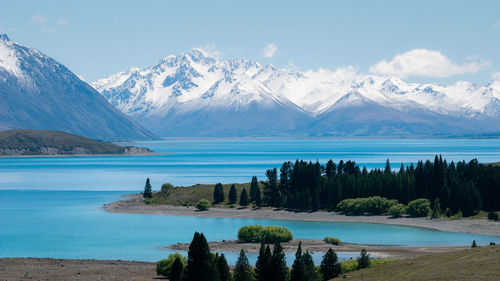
x,y
194,82
4,37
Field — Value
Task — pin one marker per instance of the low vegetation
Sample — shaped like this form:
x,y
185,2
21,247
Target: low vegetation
x,y
375,205
203,205
45,142
332,240
266,234
190,195
478,264
164,267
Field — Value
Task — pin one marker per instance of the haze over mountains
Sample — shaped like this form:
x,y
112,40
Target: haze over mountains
x,y
37,92
194,94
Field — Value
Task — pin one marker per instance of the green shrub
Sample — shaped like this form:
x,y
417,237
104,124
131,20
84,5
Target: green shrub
x,y
474,244
268,234
448,212
396,210
148,201
375,205
332,240
203,205
493,216
352,264
419,208
166,186
164,267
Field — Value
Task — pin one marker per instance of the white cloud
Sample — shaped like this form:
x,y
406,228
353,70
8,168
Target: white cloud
x,y
39,19
425,63
62,22
269,50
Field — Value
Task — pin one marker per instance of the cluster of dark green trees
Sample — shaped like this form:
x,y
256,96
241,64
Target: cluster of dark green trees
x,y
466,187
202,265
245,198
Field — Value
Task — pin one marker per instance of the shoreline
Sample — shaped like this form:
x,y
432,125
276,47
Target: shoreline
x,y
319,246
79,155
135,205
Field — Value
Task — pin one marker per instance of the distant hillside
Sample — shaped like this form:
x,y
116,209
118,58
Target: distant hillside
x,y
43,142
496,164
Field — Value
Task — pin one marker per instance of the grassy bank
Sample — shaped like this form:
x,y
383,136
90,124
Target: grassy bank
x,y
471,264
190,195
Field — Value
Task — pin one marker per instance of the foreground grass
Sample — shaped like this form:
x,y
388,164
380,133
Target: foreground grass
x,y
190,195
479,264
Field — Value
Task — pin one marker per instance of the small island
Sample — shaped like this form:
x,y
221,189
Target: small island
x,y
17,143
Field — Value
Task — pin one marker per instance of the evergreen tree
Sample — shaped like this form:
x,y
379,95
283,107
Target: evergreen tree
x,y
242,270
148,191
263,264
310,271
436,209
474,244
200,266
218,193
224,273
244,198
298,271
330,267
363,259
176,271
233,195
255,195
278,269
271,190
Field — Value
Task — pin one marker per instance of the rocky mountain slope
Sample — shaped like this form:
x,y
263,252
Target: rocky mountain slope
x,y
37,92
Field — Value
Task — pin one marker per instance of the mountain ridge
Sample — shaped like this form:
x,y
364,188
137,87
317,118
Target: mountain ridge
x,y
37,92
182,87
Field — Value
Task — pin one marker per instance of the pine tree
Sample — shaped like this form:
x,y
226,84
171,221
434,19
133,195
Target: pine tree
x,y
200,266
176,271
309,270
244,198
363,259
278,269
271,191
242,270
255,195
474,244
148,191
330,267
298,271
224,273
233,195
218,193
262,266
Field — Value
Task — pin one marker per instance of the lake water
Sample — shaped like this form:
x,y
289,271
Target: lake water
x,y
36,222
188,162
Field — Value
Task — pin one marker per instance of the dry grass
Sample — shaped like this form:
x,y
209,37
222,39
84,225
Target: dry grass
x,y
477,264
188,196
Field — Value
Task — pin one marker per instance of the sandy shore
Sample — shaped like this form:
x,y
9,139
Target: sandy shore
x,y
318,246
135,205
73,270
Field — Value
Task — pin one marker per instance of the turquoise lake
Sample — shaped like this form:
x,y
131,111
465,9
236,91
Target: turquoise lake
x,y
52,207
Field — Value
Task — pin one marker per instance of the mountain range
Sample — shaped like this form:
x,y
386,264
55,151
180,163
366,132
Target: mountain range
x,y
37,92
196,95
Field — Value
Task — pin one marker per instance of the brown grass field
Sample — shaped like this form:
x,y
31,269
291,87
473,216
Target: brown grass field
x,y
482,263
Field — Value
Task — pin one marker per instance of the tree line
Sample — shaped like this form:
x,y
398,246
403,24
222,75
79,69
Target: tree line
x,y
203,265
465,186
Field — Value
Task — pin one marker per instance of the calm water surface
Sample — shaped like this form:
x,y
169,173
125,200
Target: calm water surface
x,y
188,162
66,223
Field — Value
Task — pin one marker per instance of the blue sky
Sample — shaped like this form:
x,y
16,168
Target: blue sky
x,y
455,40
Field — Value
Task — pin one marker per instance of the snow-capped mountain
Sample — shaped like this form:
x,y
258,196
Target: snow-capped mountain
x,y
37,92
193,94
